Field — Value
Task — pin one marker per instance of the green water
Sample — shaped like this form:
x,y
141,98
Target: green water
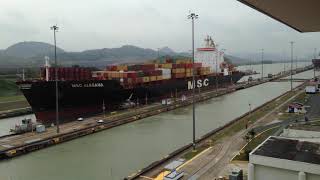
x,y
118,152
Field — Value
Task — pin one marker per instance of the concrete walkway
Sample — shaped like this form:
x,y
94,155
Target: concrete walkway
x,y
212,163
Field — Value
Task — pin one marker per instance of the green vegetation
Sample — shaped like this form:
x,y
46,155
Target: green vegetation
x,y
192,154
244,154
8,88
12,98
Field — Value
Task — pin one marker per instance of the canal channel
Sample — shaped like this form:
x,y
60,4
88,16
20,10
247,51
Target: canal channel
x,y
120,151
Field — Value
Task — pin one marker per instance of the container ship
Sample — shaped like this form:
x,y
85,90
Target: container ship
x,y
84,92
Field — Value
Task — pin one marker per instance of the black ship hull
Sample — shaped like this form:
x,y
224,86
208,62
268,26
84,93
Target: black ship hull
x,y
85,98
316,63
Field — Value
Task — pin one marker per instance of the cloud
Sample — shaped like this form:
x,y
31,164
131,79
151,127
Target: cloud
x,y
151,24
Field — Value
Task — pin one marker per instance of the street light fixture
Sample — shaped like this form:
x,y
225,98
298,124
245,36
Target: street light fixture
x,y
55,29
193,16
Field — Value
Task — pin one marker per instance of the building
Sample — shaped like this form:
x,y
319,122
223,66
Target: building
x,y
279,158
296,108
302,16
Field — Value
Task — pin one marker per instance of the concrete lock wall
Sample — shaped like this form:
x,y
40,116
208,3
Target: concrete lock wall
x,y
294,133
312,176
267,173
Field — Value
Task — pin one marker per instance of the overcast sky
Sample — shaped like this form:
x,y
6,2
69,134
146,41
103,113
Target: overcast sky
x,y
89,24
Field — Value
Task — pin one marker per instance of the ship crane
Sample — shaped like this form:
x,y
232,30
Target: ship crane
x,y
128,103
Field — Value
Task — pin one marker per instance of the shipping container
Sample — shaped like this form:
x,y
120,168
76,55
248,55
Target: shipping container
x,y
139,80
146,79
166,65
178,75
153,78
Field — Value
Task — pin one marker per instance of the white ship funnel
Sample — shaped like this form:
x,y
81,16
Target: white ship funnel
x,y
225,71
47,65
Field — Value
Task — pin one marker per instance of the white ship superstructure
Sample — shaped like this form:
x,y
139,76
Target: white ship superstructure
x,y
210,56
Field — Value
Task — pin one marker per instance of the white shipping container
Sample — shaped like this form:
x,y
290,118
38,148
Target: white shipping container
x,y
40,128
225,72
311,90
166,73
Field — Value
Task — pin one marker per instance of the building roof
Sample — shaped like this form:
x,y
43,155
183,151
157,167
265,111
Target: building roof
x,y
295,105
289,149
302,16
305,127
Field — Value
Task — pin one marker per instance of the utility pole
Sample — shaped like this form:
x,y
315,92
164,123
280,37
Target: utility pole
x,y
193,16
222,50
55,29
291,63
247,122
262,51
103,109
146,99
176,95
217,67
284,62
314,68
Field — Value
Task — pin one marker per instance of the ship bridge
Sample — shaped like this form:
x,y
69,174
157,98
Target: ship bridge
x,y
302,16
209,55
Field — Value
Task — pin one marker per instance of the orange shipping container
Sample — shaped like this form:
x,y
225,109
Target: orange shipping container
x,y
153,78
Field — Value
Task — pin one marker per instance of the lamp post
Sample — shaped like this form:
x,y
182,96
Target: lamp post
x,y
249,116
262,53
217,56
314,68
55,29
291,63
193,16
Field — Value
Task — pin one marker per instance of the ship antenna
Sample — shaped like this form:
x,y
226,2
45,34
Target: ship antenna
x,y
211,42
207,40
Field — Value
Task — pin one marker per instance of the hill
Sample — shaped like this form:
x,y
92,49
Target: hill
x,y
236,60
31,54
30,49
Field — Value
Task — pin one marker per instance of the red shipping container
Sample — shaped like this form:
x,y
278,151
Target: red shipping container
x,y
132,75
174,66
